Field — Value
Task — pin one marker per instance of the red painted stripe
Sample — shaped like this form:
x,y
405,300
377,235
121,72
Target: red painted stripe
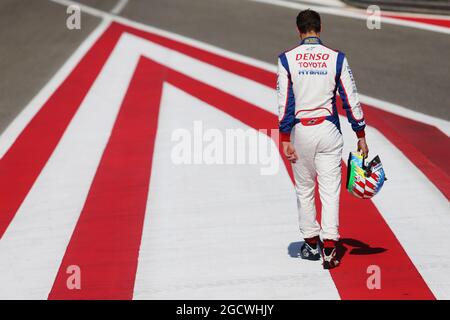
x,y
433,21
424,145
401,278
402,132
360,220
363,229
106,240
23,162
254,73
355,217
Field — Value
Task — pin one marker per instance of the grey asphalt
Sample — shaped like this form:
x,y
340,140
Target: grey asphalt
x,y
402,65
35,43
105,5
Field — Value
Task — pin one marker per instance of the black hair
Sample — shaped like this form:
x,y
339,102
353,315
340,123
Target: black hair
x,y
308,21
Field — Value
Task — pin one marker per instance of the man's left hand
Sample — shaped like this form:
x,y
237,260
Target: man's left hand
x,y
362,147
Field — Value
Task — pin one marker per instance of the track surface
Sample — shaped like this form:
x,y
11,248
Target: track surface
x,y
90,181
401,65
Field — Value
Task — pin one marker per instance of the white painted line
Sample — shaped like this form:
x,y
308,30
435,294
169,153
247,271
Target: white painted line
x,y
119,7
21,121
231,244
415,210
355,14
328,3
33,246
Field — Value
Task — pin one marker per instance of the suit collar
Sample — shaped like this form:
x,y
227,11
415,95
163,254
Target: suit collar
x,y
311,40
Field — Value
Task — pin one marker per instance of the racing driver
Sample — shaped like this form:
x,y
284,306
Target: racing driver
x,y
309,75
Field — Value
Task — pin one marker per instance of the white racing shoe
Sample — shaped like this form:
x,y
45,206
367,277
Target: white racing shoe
x,y
310,249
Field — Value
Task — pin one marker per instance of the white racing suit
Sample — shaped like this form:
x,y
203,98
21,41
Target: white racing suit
x,y
309,76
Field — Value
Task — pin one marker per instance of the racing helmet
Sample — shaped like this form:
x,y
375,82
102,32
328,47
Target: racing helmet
x,y
364,181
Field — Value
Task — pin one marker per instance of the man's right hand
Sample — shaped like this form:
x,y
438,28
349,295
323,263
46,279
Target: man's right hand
x,y
289,151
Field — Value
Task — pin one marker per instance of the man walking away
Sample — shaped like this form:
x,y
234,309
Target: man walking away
x,y
309,76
